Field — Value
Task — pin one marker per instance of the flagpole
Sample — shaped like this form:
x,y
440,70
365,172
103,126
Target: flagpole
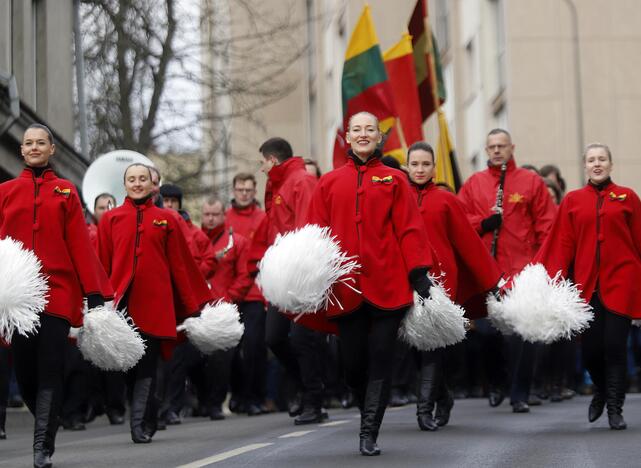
x,y
430,46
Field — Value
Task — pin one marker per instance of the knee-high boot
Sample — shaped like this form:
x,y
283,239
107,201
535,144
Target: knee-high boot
x,y
45,428
3,420
426,397
139,407
615,395
376,399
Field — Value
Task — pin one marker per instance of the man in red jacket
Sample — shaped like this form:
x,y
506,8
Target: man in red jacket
x,y
287,196
245,216
514,232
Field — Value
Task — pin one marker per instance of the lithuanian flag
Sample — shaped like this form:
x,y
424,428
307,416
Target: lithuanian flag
x,y
427,62
399,64
364,83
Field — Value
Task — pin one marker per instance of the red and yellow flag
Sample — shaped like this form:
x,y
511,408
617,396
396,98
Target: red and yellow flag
x,y
429,76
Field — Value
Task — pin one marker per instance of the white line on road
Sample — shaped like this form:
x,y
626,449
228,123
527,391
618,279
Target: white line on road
x,y
295,434
334,423
224,456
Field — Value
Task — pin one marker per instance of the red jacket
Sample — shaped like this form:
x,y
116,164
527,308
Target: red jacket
x,y
246,222
287,202
45,214
229,279
528,212
596,241
201,249
470,271
147,258
373,214
92,229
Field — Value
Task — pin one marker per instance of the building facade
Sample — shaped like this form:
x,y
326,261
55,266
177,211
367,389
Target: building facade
x,y
36,81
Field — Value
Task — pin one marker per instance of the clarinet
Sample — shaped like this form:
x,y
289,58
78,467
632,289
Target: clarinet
x,y
499,207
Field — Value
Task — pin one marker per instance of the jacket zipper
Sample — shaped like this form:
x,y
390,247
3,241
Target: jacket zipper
x,y
599,204
36,191
358,186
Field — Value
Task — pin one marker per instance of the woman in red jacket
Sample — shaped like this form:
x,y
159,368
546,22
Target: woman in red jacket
x,y
370,209
44,213
470,273
596,241
155,279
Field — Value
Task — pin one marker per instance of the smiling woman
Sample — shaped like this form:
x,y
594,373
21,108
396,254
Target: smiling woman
x,y
369,208
44,213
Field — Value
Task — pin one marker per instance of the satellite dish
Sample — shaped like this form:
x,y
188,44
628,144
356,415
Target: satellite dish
x,y
106,175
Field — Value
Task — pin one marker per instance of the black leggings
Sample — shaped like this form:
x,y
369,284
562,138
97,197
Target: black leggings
x,y
40,359
604,344
367,342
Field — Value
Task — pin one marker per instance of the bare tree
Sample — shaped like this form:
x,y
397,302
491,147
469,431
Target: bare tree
x,y
149,73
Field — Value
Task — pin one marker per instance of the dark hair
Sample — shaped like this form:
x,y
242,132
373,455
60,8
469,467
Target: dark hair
x,y
311,162
243,177
530,167
497,131
390,161
124,176
420,145
103,195
277,147
42,127
555,188
552,169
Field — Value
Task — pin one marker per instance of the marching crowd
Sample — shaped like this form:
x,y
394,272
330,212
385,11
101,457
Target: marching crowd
x,y
160,268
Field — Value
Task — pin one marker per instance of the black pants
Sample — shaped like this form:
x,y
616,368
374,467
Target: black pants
x,y
521,361
299,350
494,364
368,342
604,345
186,361
218,370
5,375
146,367
253,352
40,360
76,385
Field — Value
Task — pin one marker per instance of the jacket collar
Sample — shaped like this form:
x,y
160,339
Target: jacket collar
x,y
278,174
244,210
496,170
143,206
602,186
29,173
214,234
373,160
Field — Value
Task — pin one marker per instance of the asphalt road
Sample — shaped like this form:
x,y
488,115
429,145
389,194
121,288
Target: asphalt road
x,y
552,435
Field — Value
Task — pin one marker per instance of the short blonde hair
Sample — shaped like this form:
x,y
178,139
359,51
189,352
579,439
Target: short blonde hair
x,y
597,145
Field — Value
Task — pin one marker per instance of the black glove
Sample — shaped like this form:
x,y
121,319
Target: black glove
x,y
496,292
492,222
420,282
95,300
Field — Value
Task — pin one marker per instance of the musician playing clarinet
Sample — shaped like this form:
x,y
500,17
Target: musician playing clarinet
x,y
512,212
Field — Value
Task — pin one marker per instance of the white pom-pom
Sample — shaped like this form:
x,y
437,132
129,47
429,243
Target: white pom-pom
x,y
23,289
434,323
541,309
298,271
109,340
217,328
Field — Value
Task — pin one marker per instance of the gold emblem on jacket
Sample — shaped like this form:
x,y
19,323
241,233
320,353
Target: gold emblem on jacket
x,y
382,180
515,197
614,196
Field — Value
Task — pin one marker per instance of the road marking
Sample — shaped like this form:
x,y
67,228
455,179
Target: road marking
x,y
224,456
334,423
296,434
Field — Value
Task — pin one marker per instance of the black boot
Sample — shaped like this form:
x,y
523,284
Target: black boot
x,y
139,402
444,406
3,419
376,398
615,396
311,413
596,405
425,403
45,427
